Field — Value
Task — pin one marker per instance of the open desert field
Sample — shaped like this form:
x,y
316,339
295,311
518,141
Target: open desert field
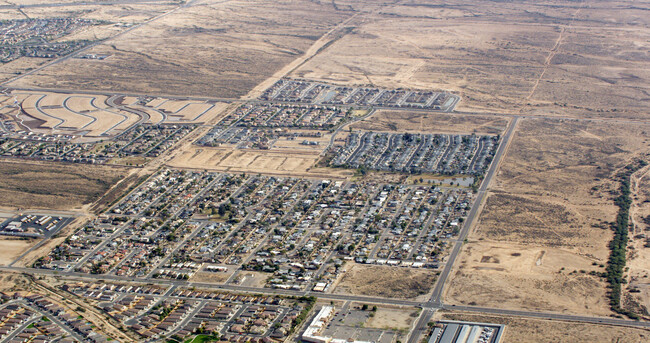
x,y
210,48
390,282
551,195
510,58
412,121
54,186
514,276
533,330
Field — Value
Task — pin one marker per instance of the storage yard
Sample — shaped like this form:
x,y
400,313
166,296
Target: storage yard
x,y
466,332
33,226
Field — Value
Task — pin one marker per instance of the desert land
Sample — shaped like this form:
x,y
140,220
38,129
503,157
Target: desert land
x,y
315,171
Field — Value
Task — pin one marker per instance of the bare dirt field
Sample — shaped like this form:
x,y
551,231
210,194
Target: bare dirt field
x,y
515,57
210,48
392,318
553,193
532,330
390,282
27,184
210,277
405,121
10,248
508,275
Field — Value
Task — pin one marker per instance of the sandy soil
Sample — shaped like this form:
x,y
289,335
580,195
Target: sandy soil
x,y
251,279
639,252
266,162
11,248
390,282
512,58
392,318
531,330
209,277
516,276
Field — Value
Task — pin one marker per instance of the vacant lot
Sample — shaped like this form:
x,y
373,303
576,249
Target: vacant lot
x,y
295,162
392,317
390,282
54,186
11,248
210,48
508,275
411,121
553,193
532,330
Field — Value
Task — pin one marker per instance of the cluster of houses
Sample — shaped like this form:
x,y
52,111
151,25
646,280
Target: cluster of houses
x,y
34,37
416,153
310,92
300,232
140,141
36,318
156,314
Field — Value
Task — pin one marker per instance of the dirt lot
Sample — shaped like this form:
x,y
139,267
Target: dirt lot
x,y
392,318
552,194
284,162
54,186
390,282
532,330
515,276
211,48
11,248
402,121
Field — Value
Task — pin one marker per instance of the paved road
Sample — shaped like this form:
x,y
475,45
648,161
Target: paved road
x,y
428,310
556,316
420,327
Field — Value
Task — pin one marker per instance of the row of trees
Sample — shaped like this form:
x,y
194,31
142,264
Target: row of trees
x,y
618,245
